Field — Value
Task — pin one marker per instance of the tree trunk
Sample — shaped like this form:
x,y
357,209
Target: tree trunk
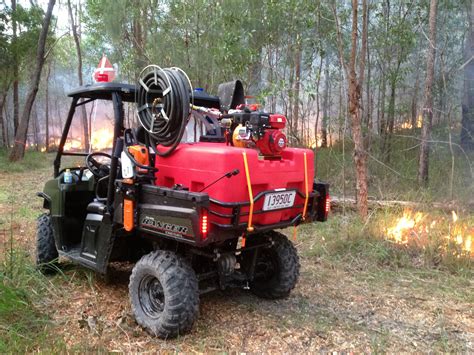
x,y
59,115
342,110
318,106
381,106
382,119
414,101
289,107
360,155
467,123
368,116
297,83
139,39
428,99
79,75
18,150
16,100
7,120
36,128
390,121
363,53
3,126
324,123
46,109
255,72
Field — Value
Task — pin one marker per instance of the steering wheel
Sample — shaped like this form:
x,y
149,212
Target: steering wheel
x,y
98,169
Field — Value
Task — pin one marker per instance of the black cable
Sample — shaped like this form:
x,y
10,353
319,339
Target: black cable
x,y
227,175
163,107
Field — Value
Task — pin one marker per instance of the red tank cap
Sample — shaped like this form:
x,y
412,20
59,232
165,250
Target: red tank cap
x,y
277,121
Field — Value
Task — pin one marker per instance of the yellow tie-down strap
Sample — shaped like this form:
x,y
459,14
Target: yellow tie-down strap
x,y
249,187
295,229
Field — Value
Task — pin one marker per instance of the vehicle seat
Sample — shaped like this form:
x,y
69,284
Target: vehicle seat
x,y
96,207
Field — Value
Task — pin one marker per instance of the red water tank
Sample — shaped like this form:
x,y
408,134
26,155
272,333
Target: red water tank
x,y
196,165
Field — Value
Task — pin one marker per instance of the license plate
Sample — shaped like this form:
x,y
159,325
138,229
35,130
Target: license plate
x,y
277,200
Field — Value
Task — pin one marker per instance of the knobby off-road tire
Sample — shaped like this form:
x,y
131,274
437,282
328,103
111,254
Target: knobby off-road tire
x,y
277,269
164,294
46,252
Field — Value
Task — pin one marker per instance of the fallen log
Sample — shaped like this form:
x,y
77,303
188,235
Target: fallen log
x,y
338,203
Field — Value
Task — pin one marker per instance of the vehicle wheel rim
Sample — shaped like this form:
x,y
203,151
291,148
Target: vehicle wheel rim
x,y
266,267
151,296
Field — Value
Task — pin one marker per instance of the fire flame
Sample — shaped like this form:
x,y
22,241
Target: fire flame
x,y
102,139
72,144
316,143
419,228
409,125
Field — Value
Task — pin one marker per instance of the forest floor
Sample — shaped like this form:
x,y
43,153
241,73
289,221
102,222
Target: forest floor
x,y
356,292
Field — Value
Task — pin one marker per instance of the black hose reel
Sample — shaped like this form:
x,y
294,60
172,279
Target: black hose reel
x,y
163,106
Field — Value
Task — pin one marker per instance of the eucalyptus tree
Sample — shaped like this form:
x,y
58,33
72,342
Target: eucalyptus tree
x,y
355,82
428,98
18,150
75,25
19,31
6,73
467,123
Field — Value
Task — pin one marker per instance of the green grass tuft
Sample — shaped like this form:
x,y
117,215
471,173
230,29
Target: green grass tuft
x,y
32,161
23,327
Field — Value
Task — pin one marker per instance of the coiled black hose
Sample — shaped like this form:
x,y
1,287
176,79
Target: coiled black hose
x,y
163,106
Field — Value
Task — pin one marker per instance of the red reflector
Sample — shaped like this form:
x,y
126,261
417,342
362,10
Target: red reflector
x,y
328,203
204,226
102,78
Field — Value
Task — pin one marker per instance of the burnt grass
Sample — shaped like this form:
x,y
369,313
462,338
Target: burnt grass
x,y
356,292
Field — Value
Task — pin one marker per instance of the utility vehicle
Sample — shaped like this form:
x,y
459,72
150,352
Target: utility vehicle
x,y
194,216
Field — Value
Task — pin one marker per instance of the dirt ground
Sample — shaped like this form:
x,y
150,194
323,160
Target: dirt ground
x,y
338,305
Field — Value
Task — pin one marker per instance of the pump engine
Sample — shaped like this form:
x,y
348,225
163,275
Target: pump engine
x,y
256,129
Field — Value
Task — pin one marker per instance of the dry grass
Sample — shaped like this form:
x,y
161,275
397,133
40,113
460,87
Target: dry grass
x,y
356,292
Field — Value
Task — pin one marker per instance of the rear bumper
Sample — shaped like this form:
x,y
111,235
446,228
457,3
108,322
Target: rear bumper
x,y
237,217
163,212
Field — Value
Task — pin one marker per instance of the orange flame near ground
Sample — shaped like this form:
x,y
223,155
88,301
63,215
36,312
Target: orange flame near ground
x,y
418,227
409,125
72,144
316,143
102,139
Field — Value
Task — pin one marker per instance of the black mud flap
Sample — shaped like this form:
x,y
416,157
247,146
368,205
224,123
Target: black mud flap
x,y
104,244
96,245
323,200
97,241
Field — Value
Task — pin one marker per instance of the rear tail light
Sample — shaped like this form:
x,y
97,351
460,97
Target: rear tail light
x,y
323,201
328,204
204,225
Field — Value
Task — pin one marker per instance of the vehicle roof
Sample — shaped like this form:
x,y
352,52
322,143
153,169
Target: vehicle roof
x,y
103,91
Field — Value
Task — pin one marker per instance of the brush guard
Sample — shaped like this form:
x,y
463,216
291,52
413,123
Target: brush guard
x,y
316,210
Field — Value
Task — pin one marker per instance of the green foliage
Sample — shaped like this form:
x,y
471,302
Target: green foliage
x,y
23,48
23,327
397,180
